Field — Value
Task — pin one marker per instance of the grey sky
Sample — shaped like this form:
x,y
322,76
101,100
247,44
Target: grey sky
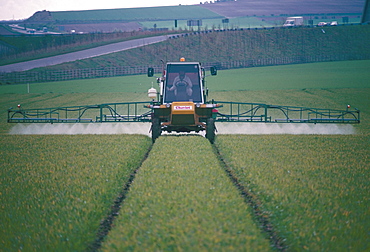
x,y
22,9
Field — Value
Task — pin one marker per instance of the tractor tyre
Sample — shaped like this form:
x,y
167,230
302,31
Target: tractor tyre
x,y
156,128
210,130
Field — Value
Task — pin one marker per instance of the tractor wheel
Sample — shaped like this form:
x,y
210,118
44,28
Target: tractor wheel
x,y
210,130
156,128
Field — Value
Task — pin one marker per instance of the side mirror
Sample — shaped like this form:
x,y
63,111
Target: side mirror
x,y
213,71
150,72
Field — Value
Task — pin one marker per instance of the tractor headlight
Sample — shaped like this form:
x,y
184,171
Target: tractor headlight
x,y
197,105
168,105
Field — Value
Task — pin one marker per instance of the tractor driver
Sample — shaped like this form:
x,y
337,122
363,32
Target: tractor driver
x,y
182,87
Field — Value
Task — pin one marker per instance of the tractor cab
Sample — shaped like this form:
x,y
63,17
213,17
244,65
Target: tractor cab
x,y
183,82
181,104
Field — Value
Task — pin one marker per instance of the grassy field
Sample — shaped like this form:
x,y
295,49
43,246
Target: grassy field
x,y
210,23
163,17
334,75
184,201
313,188
55,190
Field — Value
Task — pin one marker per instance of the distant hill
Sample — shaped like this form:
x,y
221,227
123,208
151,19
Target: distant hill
x,y
239,8
218,9
242,13
127,19
137,14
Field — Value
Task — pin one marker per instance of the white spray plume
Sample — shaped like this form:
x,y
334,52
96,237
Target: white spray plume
x,y
144,128
81,128
284,128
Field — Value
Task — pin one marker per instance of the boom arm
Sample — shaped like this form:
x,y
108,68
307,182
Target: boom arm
x,y
109,112
228,112
256,112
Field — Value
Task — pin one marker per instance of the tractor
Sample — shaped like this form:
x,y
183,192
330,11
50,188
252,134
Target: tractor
x,y
181,105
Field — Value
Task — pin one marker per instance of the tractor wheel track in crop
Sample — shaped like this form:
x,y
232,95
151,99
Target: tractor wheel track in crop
x,y
106,224
254,202
251,199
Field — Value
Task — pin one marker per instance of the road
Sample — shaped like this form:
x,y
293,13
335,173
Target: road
x,y
84,54
23,30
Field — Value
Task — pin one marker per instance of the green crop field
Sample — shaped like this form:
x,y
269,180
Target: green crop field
x,y
313,189
182,200
334,75
55,190
210,23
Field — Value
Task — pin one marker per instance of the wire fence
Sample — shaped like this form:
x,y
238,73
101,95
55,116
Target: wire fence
x,y
89,73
